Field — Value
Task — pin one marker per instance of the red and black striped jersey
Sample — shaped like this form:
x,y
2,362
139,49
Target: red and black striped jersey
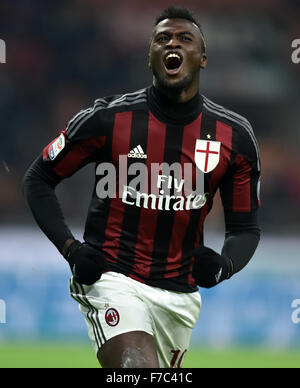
x,y
149,232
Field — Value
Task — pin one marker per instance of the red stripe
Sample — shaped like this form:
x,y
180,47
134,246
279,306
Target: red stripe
x,y
182,217
77,155
148,217
137,278
242,186
120,146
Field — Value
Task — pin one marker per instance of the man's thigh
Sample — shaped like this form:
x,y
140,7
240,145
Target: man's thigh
x,y
135,349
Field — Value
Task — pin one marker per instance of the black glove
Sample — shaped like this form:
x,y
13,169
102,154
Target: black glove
x,y
210,268
87,264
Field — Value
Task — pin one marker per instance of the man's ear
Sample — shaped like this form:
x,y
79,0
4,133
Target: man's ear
x,y
203,62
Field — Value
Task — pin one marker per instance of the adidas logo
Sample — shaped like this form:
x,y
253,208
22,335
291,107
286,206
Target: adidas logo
x,y
218,275
138,153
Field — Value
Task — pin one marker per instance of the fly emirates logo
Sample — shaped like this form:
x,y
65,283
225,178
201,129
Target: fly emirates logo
x,y
159,186
169,196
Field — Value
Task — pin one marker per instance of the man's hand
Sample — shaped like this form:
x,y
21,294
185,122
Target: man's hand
x,y
87,264
210,268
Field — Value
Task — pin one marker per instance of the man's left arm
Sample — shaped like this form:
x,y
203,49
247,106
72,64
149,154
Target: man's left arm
x,y
240,198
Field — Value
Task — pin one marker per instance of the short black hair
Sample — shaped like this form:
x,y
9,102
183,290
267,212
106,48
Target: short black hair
x,y
175,12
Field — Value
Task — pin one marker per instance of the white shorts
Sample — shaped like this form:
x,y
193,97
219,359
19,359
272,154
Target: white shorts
x,y
117,304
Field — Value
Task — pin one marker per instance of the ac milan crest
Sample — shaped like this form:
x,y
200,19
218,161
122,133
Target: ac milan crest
x,y
207,155
112,317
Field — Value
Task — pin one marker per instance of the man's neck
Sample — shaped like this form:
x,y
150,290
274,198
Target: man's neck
x,y
173,112
178,95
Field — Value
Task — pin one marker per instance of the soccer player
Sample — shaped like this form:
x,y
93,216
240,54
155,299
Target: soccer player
x,y
135,276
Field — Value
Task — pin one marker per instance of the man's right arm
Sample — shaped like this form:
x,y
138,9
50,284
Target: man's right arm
x,y
39,185
86,263
74,148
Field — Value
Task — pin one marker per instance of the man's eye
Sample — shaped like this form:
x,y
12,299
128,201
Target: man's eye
x,y
187,38
161,39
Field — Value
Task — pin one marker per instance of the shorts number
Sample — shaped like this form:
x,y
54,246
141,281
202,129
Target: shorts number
x,y
175,358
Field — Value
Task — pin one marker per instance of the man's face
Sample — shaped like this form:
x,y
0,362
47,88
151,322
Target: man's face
x,y
176,56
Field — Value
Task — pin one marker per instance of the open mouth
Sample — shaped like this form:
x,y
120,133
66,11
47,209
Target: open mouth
x,y
172,62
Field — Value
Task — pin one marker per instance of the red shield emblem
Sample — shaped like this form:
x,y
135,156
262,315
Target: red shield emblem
x,y
207,155
112,317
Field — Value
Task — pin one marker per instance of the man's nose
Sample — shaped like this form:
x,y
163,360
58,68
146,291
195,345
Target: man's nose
x,y
173,43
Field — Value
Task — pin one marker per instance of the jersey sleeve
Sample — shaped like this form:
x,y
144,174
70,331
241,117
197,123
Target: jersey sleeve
x,y
240,188
79,143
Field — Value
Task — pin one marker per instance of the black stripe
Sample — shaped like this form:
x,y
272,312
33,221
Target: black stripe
x,y
130,96
79,300
208,126
128,238
165,219
98,324
95,324
227,184
98,211
84,302
254,176
127,100
128,105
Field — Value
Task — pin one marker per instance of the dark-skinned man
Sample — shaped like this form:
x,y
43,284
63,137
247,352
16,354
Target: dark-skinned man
x,y
135,276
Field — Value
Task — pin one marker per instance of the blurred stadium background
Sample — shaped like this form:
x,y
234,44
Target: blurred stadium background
x,y
63,55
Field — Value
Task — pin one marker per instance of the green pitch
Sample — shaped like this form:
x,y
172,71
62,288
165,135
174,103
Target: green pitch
x,y
45,355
